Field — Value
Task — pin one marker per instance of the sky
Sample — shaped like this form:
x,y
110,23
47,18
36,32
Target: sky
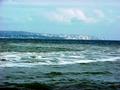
x,y
99,18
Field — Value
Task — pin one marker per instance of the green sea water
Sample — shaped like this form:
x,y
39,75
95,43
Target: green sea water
x,y
59,66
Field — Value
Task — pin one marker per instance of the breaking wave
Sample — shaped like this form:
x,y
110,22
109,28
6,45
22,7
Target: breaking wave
x,y
18,59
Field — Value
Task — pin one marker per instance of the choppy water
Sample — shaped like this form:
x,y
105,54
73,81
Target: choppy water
x,y
59,64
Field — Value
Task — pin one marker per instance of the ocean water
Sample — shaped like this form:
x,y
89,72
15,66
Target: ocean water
x,y
62,65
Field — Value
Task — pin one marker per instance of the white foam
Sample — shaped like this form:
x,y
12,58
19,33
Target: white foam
x,y
109,59
17,59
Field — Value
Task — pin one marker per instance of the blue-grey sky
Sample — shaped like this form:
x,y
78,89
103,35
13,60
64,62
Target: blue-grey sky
x,y
99,18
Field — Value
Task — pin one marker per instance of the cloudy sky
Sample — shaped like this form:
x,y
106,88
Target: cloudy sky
x,y
99,18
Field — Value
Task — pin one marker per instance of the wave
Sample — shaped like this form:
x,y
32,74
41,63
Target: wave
x,y
17,59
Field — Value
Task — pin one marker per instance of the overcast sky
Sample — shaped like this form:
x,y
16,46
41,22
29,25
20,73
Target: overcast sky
x,y
100,18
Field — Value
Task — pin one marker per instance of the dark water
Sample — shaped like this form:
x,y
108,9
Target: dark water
x,y
59,64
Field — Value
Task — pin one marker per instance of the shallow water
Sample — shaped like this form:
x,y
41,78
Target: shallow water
x,y
60,64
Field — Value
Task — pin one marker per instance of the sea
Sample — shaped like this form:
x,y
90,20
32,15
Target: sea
x,y
34,64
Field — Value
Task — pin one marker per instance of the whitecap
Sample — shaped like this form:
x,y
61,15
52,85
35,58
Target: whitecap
x,y
17,59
